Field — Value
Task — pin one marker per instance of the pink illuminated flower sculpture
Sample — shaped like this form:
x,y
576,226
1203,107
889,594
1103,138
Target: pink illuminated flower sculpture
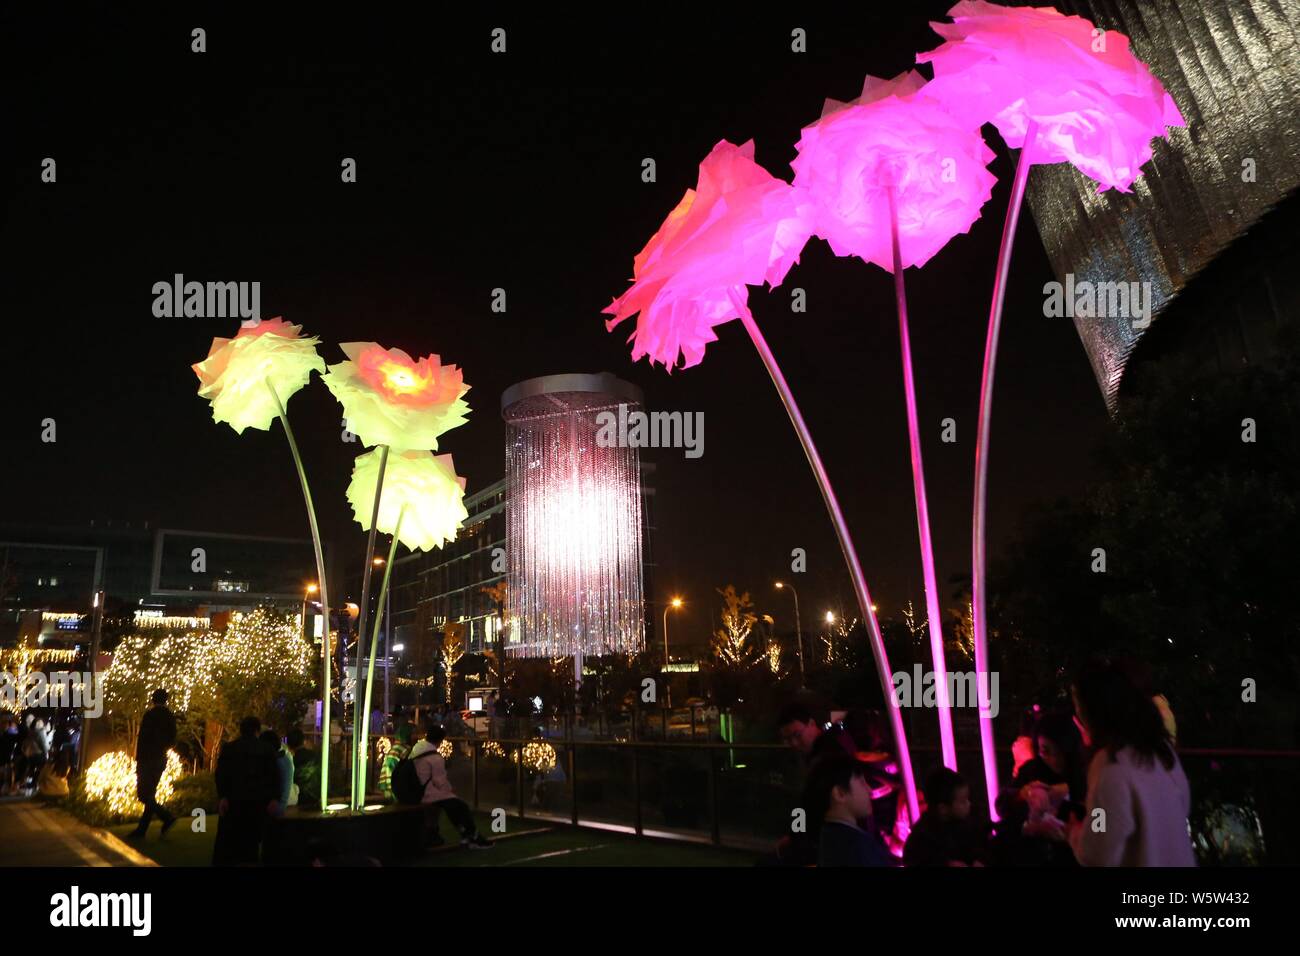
x,y
1065,91
740,226
248,380
391,399
893,177
894,137
1092,103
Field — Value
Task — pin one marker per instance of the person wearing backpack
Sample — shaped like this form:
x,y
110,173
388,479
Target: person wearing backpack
x,y
437,796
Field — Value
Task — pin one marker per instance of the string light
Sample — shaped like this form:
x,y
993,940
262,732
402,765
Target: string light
x,y
267,643
172,622
18,661
182,663
537,756
112,780
190,664
574,532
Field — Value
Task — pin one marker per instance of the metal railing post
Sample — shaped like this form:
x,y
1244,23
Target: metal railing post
x,y
519,779
474,764
713,798
573,781
636,784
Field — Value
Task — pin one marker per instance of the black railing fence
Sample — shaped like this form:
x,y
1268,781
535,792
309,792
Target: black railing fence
x,y
744,795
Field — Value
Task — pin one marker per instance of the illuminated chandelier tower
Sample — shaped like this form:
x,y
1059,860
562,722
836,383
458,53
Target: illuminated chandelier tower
x,y
573,527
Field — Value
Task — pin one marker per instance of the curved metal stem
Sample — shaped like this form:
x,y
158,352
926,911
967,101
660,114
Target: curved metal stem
x,y
358,741
370,668
979,599
325,649
846,545
932,610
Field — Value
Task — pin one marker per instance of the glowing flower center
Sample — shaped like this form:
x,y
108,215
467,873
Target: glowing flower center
x,y
399,379
403,381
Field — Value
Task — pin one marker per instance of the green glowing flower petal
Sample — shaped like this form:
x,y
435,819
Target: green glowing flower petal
x,y
430,403
234,375
424,484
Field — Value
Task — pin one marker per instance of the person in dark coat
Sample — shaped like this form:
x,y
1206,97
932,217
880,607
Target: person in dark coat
x,y
306,770
157,734
946,834
247,790
837,798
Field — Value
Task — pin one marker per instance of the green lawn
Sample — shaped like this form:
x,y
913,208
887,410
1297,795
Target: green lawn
x,y
569,847
181,846
526,843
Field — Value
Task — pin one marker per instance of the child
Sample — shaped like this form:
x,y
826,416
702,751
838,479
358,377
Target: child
x,y
839,804
945,835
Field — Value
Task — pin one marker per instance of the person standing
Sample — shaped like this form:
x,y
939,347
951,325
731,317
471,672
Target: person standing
x,y
286,790
1138,798
36,748
8,752
157,734
400,748
247,791
306,770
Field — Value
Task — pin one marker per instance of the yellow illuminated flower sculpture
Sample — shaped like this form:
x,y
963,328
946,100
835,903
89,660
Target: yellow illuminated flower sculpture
x,y
421,493
236,374
391,399
248,380
421,503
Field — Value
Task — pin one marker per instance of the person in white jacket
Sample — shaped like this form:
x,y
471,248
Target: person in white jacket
x,y
1138,798
431,771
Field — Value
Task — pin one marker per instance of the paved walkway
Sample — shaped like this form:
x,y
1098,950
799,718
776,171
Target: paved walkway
x,y
34,834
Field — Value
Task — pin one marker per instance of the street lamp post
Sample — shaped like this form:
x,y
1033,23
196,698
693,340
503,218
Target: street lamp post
x,y
798,628
311,589
672,605
96,630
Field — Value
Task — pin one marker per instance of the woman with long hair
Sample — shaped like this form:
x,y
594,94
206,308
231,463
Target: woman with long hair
x,y
1138,798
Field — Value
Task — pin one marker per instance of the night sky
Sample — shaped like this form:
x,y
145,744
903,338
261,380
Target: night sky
x,y
477,171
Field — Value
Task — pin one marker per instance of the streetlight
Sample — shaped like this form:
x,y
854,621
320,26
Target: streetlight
x,y
310,589
672,605
798,627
